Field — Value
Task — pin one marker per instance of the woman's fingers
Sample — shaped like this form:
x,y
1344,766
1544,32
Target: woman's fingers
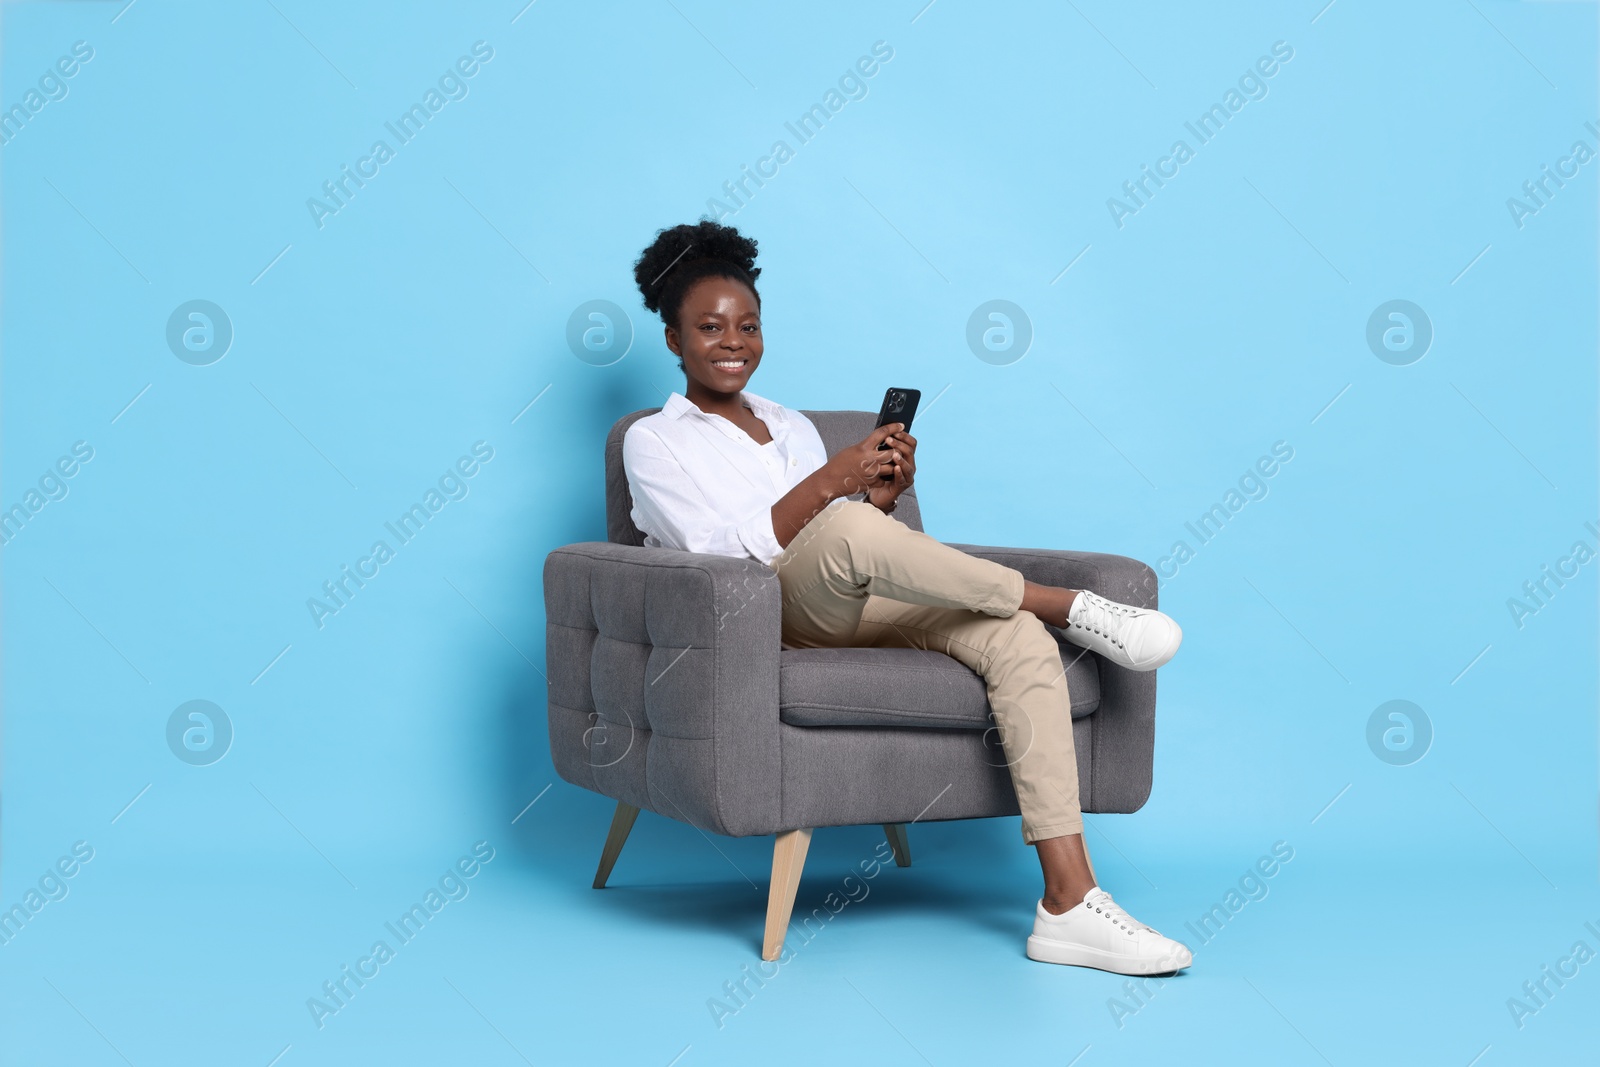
x,y
878,465
896,456
895,463
902,472
884,432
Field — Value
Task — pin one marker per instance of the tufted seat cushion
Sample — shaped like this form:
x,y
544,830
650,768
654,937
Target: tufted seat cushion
x,y
903,687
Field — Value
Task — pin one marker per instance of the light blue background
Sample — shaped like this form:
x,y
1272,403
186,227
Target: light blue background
x,y
425,316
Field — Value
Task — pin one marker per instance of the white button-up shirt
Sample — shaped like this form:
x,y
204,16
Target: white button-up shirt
x,y
702,484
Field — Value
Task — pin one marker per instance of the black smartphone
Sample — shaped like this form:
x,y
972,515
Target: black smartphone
x,y
899,405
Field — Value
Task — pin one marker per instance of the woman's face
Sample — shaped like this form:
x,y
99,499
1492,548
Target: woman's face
x,y
719,335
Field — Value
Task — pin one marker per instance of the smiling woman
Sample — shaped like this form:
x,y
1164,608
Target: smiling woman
x,y
718,469
701,280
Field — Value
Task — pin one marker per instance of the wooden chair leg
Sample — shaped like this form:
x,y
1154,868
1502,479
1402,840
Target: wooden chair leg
x,y
896,833
788,858
621,823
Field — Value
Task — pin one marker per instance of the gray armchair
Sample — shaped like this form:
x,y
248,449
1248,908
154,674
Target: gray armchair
x,y
671,690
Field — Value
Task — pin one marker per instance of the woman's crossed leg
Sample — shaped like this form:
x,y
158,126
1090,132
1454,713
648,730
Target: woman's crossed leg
x,y
854,577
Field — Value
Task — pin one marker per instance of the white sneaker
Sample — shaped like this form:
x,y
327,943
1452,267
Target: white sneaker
x,y
1098,933
1140,639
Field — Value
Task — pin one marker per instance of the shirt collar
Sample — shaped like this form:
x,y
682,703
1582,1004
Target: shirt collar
x,y
677,405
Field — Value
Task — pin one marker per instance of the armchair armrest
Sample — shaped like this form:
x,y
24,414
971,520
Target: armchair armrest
x,y
1123,732
663,681
1115,577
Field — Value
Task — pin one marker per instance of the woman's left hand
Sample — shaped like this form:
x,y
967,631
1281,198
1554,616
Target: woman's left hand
x,y
904,457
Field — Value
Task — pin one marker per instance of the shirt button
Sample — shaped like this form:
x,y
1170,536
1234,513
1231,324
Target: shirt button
x,y
794,461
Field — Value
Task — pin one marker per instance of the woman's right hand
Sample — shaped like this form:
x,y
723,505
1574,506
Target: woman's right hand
x,y
862,465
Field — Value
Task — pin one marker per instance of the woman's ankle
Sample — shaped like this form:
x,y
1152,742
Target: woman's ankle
x,y
1061,899
1050,603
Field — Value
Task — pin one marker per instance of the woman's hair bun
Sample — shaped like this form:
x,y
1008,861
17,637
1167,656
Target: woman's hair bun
x,y
683,254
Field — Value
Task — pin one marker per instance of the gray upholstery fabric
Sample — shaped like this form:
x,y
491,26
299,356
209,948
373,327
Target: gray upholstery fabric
x,y
670,689
663,670
904,687
831,775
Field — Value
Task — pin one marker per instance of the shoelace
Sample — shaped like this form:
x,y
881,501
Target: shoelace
x,y
1113,911
1098,615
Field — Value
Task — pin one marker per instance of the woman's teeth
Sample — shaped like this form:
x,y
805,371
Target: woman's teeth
x,y
733,364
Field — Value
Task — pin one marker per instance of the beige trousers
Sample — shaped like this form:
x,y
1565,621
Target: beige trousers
x,y
854,577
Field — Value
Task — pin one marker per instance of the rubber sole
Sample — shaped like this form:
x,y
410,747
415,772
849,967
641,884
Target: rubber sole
x,y
1050,950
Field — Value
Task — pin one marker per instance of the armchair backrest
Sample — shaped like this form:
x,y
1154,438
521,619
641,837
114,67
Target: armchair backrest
x,y
838,429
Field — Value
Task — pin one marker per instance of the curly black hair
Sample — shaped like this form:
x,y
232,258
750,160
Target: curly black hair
x,y
683,255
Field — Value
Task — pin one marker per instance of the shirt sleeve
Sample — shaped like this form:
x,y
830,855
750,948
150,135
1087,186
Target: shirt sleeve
x,y
669,504
759,538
